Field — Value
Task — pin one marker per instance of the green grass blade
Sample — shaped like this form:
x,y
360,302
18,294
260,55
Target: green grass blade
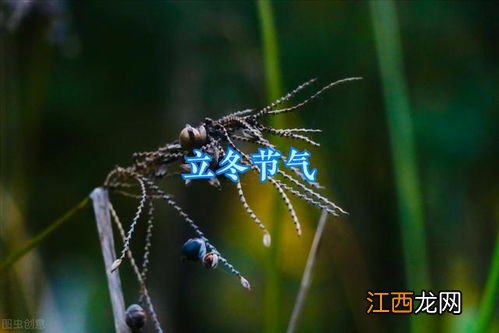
x,y
35,241
400,126
270,50
272,307
489,298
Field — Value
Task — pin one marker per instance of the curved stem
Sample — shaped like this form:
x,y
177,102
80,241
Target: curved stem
x,y
18,254
307,274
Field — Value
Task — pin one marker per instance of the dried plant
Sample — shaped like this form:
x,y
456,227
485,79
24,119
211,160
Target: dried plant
x,y
140,180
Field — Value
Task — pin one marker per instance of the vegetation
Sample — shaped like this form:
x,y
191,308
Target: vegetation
x,y
410,152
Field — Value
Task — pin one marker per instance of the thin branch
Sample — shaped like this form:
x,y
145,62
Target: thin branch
x,y
100,200
314,96
307,274
31,244
144,293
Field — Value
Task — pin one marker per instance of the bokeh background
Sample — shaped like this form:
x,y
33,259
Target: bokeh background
x,y
86,84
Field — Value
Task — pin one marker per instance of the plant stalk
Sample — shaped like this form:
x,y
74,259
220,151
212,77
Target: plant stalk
x,y
398,114
272,296
307,274
31,244
489,300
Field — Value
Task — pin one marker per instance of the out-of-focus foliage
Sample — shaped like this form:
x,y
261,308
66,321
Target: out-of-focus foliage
x,y
127,76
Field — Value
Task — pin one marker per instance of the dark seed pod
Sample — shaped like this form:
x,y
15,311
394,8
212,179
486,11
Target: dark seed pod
x,y
210,260
191,137
194,249
135,316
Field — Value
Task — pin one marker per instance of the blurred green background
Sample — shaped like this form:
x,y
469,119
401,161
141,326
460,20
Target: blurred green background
x,y
86,84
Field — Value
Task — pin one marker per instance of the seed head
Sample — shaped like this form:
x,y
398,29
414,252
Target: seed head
x,y
135,316
191,137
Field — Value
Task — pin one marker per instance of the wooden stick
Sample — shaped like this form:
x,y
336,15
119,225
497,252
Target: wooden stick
x,y
307,274
100,200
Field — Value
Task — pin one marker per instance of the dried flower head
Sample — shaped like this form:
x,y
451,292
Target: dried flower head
x,y
140,180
